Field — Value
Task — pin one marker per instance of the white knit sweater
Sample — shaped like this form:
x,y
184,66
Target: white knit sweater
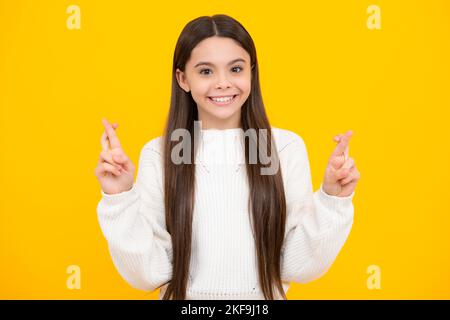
x,y
223,261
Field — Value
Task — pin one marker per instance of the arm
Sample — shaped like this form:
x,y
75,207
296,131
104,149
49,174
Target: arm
x,y
133,223
317,224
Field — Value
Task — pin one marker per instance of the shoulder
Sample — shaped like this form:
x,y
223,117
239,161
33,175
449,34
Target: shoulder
x,y
151,153
154,145
287,140
294,161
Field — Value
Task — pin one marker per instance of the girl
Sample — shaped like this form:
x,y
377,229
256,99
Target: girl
x,y
215,227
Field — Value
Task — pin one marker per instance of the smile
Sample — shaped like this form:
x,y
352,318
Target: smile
x,y
223,101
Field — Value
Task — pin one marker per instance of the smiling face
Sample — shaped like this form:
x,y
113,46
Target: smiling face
x,y
218,75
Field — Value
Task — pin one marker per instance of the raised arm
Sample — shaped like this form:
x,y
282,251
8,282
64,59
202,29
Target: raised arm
x,y
133,223
317,224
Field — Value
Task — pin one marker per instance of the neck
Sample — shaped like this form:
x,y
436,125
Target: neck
x,y
207,123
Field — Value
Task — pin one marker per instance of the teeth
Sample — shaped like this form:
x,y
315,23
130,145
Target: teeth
x,y
223,99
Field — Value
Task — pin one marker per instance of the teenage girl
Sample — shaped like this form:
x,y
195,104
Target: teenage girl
x,y
203,219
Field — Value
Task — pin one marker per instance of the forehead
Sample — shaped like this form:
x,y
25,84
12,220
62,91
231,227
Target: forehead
x,y
217,50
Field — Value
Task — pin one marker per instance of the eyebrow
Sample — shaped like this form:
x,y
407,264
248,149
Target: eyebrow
x,y
210,64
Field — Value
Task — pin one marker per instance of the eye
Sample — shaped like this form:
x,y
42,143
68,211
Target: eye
x,y
237,67
207,71
202,71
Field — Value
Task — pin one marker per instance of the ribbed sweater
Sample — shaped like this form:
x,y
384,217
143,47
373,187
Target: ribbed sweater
x,y
223,261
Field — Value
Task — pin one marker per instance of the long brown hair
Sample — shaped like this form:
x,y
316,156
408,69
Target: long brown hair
x,y
266,203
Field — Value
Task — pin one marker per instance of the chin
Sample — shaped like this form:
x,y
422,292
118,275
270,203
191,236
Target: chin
x,y
222,113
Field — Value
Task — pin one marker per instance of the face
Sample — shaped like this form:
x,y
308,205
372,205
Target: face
x,y
218,75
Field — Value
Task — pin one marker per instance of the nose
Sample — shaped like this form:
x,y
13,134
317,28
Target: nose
x,y
223,82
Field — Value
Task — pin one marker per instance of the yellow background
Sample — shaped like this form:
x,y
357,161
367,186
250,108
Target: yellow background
x,y
322,72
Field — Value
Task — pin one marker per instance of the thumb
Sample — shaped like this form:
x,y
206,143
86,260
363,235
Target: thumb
x,y
122,160
119,159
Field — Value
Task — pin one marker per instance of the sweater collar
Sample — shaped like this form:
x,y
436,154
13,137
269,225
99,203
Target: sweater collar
x,y
221,146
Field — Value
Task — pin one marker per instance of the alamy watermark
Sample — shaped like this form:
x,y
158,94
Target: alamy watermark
x,y
181,153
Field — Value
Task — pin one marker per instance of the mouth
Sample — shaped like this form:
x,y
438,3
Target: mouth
x,y
223,101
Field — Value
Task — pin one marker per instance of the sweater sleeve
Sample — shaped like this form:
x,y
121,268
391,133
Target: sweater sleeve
x,y
133,223
317,224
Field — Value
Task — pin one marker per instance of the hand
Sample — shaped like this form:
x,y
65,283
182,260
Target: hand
x,y
115,170
341,175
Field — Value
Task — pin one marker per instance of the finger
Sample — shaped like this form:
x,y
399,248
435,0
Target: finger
x,y
106,156
111,134
104,139
108,168
104,142
352,176
349,163
337,138
341,173
120,158
347,151
341,148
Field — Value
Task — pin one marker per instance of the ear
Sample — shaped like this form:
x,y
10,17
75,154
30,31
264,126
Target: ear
x,y
181,79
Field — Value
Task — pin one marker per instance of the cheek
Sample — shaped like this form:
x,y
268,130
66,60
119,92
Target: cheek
x,y
244,85
200,90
